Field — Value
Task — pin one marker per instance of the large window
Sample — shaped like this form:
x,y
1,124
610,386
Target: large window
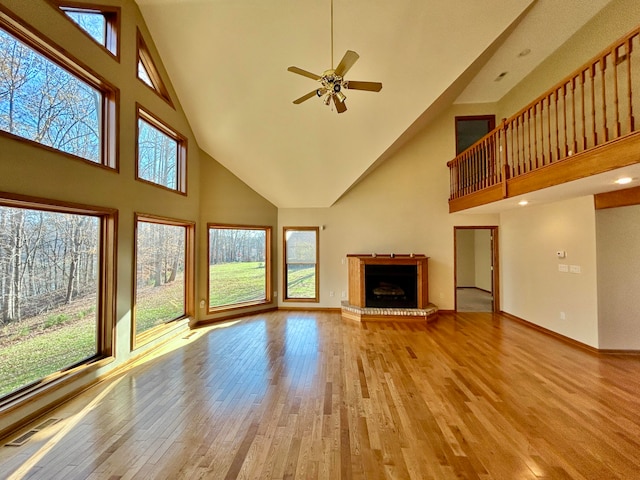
x,y
239,266
47,98
164,279
161,154
56,271
301,264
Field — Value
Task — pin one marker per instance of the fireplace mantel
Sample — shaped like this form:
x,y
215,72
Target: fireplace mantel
x,y
360,305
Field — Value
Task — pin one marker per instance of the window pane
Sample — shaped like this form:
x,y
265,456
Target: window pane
x,y
95,24
41,101
144,75
48,293
301,280
238,266
301,277
160,283
301,246
157,156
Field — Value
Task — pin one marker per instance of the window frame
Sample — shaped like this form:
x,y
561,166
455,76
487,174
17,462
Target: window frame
x,y
285,295
109,120
142,338
181,154
106,292
111,15
268,272
144,56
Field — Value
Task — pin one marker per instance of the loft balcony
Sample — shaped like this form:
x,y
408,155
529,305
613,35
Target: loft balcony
x,y
583,126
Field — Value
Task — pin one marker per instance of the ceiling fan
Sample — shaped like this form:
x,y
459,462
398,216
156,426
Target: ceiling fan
x,y
332,81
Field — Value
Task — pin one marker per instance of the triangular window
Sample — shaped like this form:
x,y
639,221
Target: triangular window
x,y
148,73
100,23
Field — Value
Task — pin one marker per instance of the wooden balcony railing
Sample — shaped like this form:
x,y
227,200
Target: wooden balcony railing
x,y
592,106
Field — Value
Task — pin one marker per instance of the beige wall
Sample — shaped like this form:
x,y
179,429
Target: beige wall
x,y
225,199
465,258
401,207
618,240
31,170
532,286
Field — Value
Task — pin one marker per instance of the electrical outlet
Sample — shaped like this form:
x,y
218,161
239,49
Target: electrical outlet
x,y
275,294
563,316
344,294
332,293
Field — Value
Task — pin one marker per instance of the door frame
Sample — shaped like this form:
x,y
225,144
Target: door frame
x,y
495,257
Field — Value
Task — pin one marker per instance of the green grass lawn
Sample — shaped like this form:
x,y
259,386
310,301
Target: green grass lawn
x,y
238,282
301,282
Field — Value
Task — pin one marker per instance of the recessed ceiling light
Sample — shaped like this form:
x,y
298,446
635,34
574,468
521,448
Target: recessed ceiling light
x,y
500,77
624,180
523,203
524,52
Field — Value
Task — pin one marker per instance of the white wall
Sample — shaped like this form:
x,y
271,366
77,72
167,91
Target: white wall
x,y
482,258
618,245
532,287
465,258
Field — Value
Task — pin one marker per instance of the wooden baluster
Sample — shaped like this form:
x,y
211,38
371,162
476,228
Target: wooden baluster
x,y
629,87
513,150
505,152
605,130
565,150
557,123
616,101
573,115
584,113
535,135
529,138
549,128
593,104
517,134
542,155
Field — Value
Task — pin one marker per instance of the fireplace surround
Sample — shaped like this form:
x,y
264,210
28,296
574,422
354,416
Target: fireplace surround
x,y
388,287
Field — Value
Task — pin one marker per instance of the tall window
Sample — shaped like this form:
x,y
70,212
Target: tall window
x,y
101,23
47,98
56,268
161,154
239,266
301,264
164,283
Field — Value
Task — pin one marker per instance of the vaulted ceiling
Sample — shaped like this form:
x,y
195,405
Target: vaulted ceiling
x,y
228,60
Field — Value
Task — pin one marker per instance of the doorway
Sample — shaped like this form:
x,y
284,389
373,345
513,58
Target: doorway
x,y
476,269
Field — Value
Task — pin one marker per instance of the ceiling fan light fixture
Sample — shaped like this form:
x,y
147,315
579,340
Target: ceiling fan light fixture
x,y
341,96
327,99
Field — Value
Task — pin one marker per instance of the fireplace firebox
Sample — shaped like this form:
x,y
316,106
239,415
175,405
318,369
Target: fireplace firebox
x,y
391,286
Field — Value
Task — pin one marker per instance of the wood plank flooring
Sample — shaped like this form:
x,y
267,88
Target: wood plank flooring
x,y
309,395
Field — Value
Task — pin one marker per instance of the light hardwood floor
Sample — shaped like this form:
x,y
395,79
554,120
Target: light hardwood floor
x,y
308,395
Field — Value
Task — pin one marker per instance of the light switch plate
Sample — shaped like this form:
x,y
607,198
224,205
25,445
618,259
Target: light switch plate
x,y
563,268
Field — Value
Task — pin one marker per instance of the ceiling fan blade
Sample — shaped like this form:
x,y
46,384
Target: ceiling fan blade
x,y
369,86
346,63
306,97
340,106
304,73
